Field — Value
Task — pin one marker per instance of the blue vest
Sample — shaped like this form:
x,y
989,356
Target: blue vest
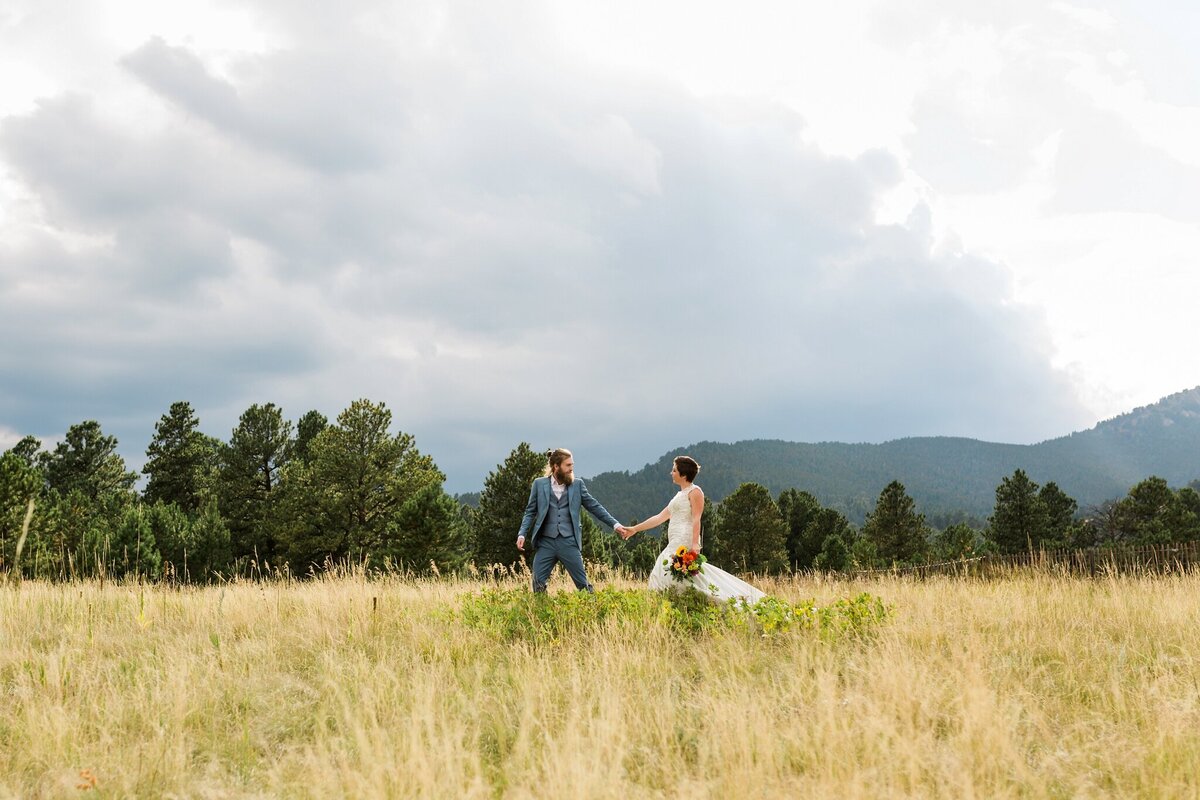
x,y
558,517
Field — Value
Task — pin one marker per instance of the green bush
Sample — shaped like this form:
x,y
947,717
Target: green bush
x,y
518,614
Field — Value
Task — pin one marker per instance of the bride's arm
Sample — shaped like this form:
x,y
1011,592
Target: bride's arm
x,y
696,498
657,519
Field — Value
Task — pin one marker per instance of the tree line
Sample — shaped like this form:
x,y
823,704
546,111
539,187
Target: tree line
x,y
795,532
299,496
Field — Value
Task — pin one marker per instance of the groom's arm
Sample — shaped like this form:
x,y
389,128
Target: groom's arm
x,y
595,509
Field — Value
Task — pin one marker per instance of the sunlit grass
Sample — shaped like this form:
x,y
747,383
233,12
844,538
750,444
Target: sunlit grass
x,y
1024,687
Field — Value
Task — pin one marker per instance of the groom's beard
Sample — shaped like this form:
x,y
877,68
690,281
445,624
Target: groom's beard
x,y
564,478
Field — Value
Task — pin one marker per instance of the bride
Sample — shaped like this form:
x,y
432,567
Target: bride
x,y
684,512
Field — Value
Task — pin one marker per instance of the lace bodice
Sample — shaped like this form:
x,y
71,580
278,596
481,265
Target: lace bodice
x,y
679,529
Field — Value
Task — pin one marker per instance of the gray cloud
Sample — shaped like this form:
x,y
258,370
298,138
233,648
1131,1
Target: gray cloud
x,y
501,243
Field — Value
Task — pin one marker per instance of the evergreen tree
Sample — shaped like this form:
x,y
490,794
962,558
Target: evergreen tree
x,y
1154,514
307,537
87,460
597,545
1060,515
1019,522
751,534
19,483
171,530
179,459
130,548
311,424
898,531
428,533
502,505
1101,526
249,474
799,509
863,554
956,541
29,450
209,553
830,522
75,516
361,475
639,553
1189,498
834,555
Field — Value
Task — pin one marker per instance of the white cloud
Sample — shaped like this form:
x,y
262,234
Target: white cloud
x,y
8,438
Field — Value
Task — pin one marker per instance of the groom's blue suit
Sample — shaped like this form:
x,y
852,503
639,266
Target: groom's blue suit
x,y
551,525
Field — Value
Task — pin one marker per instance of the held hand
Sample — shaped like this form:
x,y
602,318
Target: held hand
x,y
521,543
695,549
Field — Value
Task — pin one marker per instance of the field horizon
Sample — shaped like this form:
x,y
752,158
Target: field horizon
x,y
1029,686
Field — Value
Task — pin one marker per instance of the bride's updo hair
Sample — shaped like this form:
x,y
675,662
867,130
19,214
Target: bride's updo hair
x,y
554,458
687,467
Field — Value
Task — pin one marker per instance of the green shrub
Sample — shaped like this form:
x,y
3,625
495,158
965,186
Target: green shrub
x,y
518,614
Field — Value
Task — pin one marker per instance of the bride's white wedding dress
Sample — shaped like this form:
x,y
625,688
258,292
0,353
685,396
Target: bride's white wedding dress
x,y
713,581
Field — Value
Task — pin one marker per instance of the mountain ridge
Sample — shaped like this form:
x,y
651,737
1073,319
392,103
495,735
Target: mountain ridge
x,y
944,474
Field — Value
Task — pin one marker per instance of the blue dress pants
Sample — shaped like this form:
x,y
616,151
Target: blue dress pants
x,y
560,549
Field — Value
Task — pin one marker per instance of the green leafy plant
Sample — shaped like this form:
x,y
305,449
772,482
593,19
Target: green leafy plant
x,y
517,614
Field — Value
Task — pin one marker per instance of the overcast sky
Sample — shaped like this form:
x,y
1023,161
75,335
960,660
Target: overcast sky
x,y
618,227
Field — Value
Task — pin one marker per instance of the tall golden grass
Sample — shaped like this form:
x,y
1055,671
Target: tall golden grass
x,y
1028,686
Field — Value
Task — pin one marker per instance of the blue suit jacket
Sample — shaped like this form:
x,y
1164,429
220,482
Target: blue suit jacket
x,y
539,504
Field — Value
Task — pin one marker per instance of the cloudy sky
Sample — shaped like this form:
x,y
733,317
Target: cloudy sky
x,y
619,227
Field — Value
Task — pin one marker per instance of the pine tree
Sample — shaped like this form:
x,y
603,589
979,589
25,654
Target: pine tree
x,y
751,534
956,541
311,424
1019,522
19,483
428,533
29,450
258,449
834,555
1154,514
799,509
130,548
361,475
209,553
502,505
87,460
179,459
829,522
898,531
171,529
1060,514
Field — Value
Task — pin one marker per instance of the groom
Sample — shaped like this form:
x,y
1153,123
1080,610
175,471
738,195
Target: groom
x,y
552,514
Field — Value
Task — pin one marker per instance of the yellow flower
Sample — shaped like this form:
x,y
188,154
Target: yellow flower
x,y
682,549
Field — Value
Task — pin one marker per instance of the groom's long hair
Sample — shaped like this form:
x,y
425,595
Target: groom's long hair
x,y
554,458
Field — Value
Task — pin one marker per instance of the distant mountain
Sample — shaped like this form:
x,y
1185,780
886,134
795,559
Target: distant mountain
x,y
944,475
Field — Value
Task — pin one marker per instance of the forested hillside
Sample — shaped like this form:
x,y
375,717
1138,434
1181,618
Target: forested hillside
x,y
943,474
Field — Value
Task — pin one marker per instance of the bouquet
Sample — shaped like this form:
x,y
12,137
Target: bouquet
x,y
685,564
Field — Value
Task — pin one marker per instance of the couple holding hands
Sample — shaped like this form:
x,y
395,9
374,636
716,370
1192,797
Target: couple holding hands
x,y
551,527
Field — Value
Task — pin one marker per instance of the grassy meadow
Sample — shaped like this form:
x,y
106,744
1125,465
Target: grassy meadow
x,y
1029,686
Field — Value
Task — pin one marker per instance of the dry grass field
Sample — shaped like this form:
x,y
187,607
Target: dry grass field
x,y
1030,686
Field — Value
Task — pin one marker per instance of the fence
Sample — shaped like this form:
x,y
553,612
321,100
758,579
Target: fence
x,y
1089,561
